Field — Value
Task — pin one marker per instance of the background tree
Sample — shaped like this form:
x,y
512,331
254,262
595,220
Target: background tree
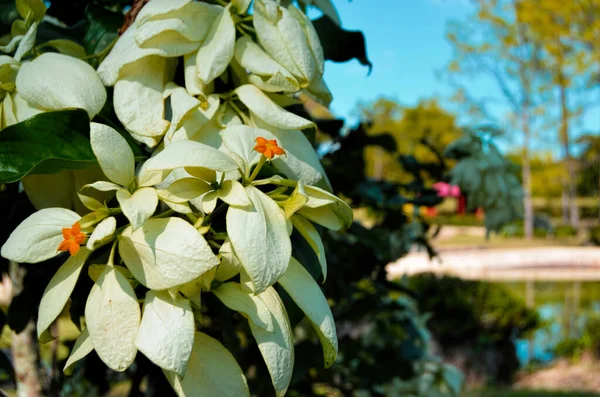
x,y
493,44
589,166
420,131
567,33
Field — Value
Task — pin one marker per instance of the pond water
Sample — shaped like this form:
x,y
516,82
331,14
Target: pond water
x,y
564,309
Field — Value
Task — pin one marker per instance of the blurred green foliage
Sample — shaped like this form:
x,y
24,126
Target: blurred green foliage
x,y
486,177
479,312
418,131
587,342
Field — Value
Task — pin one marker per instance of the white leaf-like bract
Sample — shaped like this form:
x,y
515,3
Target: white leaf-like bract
x,y
212,371
326,209
304,290
113,153
166,252
253,58
83,346
232,296
139,206
103,233
258,234
277,347
240,141
182,154
234,194
58,291
313,238
37,238
166,334
217,50
112,316
301,162
138,97
273,114
230,264
284,39
55,81
172,31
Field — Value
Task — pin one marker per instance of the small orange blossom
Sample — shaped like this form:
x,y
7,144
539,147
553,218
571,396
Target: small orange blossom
x,y
73,238
268,147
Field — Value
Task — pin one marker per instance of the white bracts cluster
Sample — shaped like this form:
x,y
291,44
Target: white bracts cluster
x,y
154,228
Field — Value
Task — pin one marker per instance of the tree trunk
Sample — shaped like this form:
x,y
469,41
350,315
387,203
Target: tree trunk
x,y
24,347
571,182
526,174
564,203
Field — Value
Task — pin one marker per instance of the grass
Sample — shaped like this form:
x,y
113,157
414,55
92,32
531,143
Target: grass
x,y
526,393
559,292
496,241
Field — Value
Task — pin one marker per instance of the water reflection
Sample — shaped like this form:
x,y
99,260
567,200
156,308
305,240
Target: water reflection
x,y
565,309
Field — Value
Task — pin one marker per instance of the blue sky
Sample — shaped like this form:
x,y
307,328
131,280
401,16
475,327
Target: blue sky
x,y
407,46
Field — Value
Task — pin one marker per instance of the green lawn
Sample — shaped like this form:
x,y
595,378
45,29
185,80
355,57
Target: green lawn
x,y
495,241
525,393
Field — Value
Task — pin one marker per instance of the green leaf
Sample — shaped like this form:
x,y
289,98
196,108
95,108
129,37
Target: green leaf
x,y
45,144
102,28
67,47
31,10
8,14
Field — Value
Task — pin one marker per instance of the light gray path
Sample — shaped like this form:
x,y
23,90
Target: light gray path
x,y
507,264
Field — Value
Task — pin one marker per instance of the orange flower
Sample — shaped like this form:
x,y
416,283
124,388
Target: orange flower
x,y
73,238
268,147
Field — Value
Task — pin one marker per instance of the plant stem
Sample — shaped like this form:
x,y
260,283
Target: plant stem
x,y
261,162
164,214
102,53
240,113
216,212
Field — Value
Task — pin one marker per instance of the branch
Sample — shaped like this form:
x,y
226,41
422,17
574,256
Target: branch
x,y
132,14
24,347
503,85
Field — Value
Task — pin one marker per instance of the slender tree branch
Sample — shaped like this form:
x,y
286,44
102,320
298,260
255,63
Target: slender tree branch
x,y
132,14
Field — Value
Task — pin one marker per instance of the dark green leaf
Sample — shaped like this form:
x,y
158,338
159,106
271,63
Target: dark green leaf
x,y
341,45
44,144
102,28
68,11
8,14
